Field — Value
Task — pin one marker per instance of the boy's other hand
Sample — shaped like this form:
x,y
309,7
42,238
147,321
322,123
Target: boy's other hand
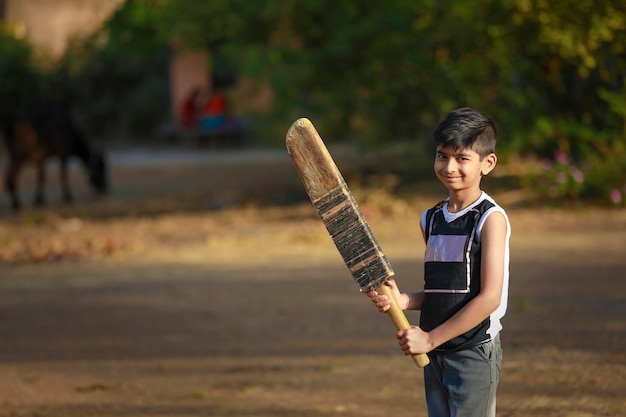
x,y
414,341
381,301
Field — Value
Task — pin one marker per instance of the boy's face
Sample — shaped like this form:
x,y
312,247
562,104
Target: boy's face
x,y
461,169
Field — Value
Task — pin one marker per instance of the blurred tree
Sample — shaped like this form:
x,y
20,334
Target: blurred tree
x,y
119,75
572,90
551,73
19,77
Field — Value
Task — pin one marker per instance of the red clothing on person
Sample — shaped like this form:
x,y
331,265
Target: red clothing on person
x,y
189,113
216,104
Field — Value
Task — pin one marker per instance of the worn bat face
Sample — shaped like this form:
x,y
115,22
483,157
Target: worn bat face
x,y
336,206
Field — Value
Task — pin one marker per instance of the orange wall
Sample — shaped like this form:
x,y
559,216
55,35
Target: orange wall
x,y
48,24
188,70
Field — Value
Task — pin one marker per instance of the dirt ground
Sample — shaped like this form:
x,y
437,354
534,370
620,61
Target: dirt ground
x,y
183,293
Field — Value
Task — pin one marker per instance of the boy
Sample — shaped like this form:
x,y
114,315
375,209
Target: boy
x,y
465,275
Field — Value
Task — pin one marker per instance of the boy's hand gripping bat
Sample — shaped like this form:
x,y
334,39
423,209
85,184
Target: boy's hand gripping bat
x,y
342,217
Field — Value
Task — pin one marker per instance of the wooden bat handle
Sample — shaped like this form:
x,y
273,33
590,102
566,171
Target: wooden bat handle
x,y
399,319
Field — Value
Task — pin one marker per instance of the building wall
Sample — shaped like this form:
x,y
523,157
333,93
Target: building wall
x,y
188,70
49,24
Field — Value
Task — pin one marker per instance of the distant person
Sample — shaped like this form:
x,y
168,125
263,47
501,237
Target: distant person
x,y
466,275
215,114
217,119
191,110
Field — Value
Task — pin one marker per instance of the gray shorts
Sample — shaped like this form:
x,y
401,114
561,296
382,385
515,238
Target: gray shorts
x,y
464,383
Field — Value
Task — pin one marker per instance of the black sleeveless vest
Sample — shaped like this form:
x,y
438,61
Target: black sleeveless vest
x,y
452,272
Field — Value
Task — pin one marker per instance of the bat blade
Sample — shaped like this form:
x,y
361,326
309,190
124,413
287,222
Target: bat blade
x,y
342,217
337,208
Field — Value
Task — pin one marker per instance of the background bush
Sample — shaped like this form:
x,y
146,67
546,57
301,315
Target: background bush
x,y
375,73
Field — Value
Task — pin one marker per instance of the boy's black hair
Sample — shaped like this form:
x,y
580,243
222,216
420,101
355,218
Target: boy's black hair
x,y
467,128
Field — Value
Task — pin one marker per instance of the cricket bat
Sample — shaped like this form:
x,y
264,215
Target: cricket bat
x,y
342,217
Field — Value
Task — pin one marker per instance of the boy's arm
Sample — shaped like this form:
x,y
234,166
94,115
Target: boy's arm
x,y
493,238
415,300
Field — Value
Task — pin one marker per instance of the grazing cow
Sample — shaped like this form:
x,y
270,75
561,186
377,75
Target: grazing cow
x,y
35,133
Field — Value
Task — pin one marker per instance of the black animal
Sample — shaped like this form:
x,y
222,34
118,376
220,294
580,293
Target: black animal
x,y
35,133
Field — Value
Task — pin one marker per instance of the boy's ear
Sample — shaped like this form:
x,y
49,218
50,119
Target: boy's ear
x,y
488,164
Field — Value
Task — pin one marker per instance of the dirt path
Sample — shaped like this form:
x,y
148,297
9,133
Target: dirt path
x,y
167,308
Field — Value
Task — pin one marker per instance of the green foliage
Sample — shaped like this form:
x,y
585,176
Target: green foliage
x,y
19,75
551,73
119,75
578,49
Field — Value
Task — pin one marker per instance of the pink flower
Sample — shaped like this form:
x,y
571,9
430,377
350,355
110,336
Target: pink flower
x,y
577,174
561,178
616,196
546,163
561,157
